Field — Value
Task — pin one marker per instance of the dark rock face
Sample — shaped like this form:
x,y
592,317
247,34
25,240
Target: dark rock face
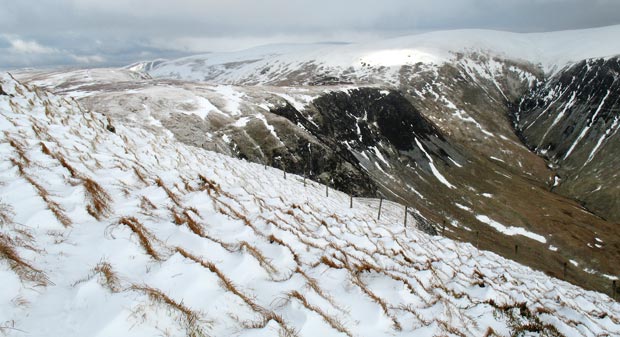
x,y
375,114
369,122
320,159
573,120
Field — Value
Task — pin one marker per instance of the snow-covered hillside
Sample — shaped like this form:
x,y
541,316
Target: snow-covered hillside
x,y
110,230
384,59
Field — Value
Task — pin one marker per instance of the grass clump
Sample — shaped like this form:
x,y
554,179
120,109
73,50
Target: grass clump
x,y
144,236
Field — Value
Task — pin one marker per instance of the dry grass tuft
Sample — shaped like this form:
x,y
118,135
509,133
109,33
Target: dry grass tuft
x,y
209,185
53,206
355,280
140,175
170,194
314,285
333,322
272,238
262,260
225,281
522,321
19,148
143,234
490,333
190,320
326,261
6,214
176,217
109,279
193,225
45,149
99,198
146,204
24,270
230,286
67,166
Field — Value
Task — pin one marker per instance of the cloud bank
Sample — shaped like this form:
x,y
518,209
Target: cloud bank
x,y
46,33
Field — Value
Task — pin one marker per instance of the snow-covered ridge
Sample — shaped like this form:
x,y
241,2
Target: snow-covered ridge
x,y
110,230
551,51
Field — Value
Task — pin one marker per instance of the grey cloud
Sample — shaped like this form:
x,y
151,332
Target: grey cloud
x,y
122,31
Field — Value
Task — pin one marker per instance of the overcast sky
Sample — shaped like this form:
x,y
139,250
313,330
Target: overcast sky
x,y
43,33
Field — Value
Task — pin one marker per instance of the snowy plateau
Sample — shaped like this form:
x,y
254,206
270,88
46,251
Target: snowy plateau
x,y
151,200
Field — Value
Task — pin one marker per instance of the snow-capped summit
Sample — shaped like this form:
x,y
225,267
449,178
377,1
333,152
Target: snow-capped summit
x,y
371,61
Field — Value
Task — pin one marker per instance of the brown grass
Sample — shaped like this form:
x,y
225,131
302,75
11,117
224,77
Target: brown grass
x,y
40,131
100,200
190,320
355,280
333,322
230,286
193,225
314,285
326,261
24,270
209,185
143,235
523,321
170,194
19,148
109,279
66,165
6,214
140,175
146,204
272,238
225,281
45,149
262,260
53,206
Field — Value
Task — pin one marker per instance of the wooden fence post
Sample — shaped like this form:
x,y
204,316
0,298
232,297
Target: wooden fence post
x,y
406,209
326,190
613,289
565,265
516,249
443,229
477,238
351,201
380,204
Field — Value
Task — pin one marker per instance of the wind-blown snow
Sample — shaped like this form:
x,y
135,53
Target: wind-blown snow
x,y
124,232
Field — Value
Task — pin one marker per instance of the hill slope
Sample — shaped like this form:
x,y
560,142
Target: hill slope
x,y
114,230
381,61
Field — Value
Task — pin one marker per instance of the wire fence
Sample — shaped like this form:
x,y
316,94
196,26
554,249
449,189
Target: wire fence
x,y
412,219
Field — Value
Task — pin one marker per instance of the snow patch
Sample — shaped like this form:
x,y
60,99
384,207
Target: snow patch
x,y
509,230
